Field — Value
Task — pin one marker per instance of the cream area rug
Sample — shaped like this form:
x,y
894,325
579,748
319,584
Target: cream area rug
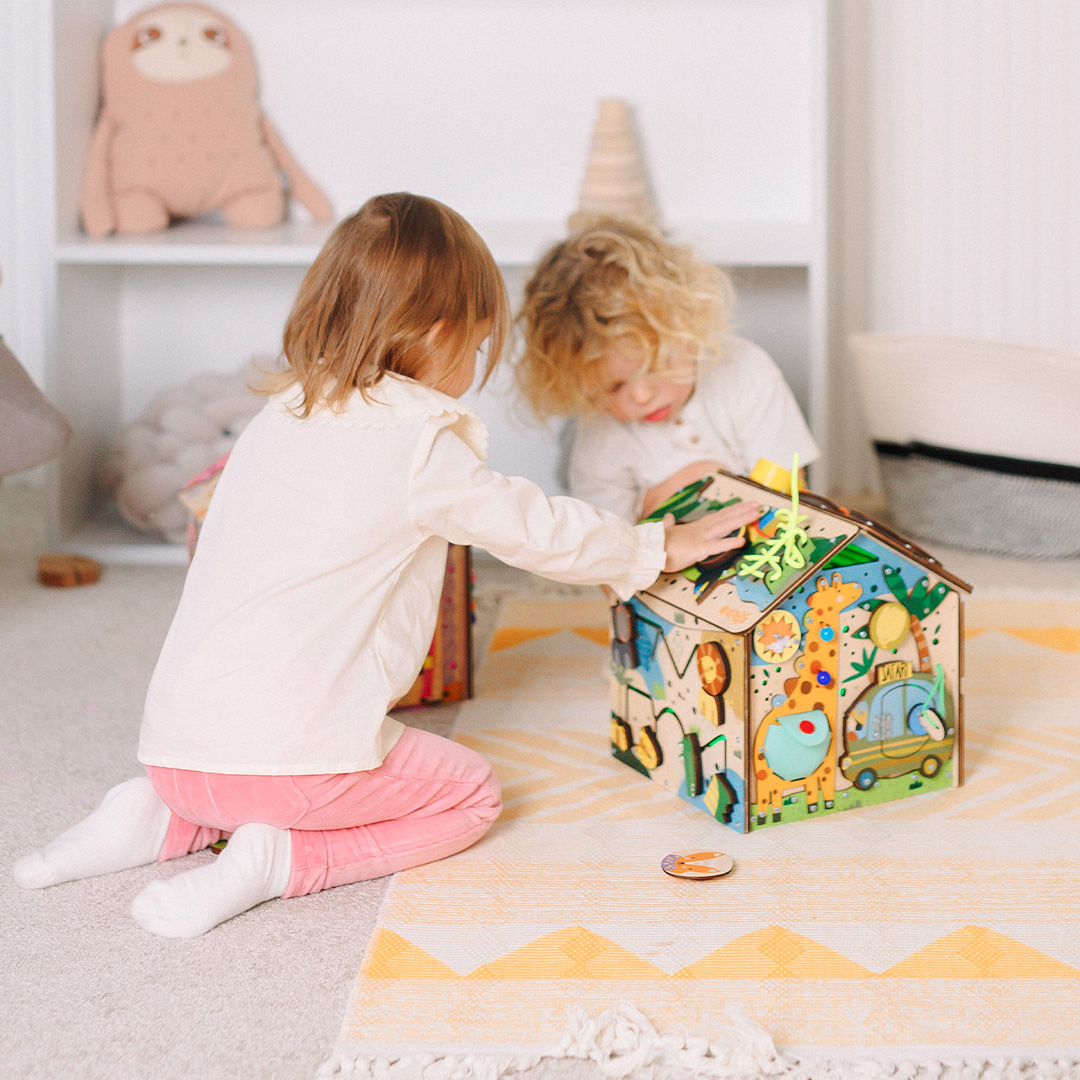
x,y
935,936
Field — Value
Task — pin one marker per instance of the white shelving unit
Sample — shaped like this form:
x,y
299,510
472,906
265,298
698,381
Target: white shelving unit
x,y
513,243
485,104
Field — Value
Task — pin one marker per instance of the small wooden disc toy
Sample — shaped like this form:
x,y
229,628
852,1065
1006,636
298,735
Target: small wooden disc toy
x,y
698,865
61,571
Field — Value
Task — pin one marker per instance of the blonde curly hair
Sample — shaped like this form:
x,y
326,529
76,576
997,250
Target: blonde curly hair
x,y
615,282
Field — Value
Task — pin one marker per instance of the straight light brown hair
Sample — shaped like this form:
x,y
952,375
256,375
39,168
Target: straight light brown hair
x,y
388,274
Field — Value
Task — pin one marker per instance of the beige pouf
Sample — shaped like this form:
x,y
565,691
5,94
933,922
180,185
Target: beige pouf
x,y
977,441
32,431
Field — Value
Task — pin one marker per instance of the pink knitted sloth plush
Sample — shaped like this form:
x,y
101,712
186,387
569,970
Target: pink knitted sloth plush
x,y
180,132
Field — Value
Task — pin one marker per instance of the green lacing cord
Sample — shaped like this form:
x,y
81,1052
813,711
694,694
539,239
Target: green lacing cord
x,y
935,694
783,552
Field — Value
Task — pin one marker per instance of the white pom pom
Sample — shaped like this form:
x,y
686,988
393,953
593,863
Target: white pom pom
x,y
136,443
192,460
168,399
184,430
210,385
145,491
233,412
222,446
170,520
188,424
166,446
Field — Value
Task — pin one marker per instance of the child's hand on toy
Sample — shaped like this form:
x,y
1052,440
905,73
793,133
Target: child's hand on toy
x,y
676,482
709,535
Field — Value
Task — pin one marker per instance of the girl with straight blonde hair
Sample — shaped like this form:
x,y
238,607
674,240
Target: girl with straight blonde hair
x,y
313,594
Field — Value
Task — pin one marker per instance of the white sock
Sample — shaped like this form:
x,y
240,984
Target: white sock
x,y
127,829
255,866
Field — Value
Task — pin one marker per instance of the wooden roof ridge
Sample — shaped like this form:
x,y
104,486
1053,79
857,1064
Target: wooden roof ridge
x,y
880,532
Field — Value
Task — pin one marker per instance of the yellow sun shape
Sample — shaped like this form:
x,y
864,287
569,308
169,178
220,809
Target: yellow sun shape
x,y
777,638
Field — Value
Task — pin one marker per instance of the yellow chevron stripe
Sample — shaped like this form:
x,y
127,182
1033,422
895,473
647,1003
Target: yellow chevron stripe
x,y
506,637
774,952
573,953
1062,638
977,953
554,807
532,739
390,956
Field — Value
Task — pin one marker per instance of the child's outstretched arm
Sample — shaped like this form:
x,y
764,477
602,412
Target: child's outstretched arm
x,y
709,535
453,494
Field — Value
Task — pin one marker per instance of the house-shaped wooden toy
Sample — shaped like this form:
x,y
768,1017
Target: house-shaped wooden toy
x,y
814,670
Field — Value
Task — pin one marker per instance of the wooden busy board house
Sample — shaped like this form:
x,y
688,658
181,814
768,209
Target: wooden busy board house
x,y
814,670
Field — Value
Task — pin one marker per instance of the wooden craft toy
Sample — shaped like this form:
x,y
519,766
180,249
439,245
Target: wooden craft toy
x,y
698,865
813,670
616,182
63,570
447,671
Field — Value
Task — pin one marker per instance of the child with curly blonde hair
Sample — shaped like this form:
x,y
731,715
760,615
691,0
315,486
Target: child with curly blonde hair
x,y
314,591
629,334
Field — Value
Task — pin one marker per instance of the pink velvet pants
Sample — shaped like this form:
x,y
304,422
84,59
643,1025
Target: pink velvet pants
x,y
429,799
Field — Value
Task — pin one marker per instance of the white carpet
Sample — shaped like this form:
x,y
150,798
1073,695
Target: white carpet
x,y
83,992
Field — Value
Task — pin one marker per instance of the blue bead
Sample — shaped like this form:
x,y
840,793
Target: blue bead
x,y
827,633
824,678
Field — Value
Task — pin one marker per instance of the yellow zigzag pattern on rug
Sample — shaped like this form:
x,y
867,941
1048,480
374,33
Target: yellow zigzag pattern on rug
x,y
1015,773
973,952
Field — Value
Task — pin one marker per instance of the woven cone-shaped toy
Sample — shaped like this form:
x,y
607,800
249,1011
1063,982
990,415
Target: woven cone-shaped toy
x,y
616,182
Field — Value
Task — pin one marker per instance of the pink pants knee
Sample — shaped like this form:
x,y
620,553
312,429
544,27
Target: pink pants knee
x,y
429,799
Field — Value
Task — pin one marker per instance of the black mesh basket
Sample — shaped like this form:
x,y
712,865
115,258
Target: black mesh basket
x,y
982,502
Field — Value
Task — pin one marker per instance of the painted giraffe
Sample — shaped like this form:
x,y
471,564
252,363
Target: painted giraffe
x,y
810,693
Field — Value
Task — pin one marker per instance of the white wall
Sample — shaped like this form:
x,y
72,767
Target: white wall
x,y
955,150
501,132
489,105
959,174
975,181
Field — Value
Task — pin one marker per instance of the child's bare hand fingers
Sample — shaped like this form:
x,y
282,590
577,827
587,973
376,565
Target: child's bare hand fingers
x,y
717,547
726,543
721,522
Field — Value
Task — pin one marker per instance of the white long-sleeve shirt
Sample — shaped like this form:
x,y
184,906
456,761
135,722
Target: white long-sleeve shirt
x,y
314,591
741,410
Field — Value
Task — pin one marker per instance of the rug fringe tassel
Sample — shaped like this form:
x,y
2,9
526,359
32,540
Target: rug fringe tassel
x,y
625,1046
424,1067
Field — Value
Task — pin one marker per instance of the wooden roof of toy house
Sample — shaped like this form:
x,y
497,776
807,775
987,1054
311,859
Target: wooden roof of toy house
x,y
734,592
